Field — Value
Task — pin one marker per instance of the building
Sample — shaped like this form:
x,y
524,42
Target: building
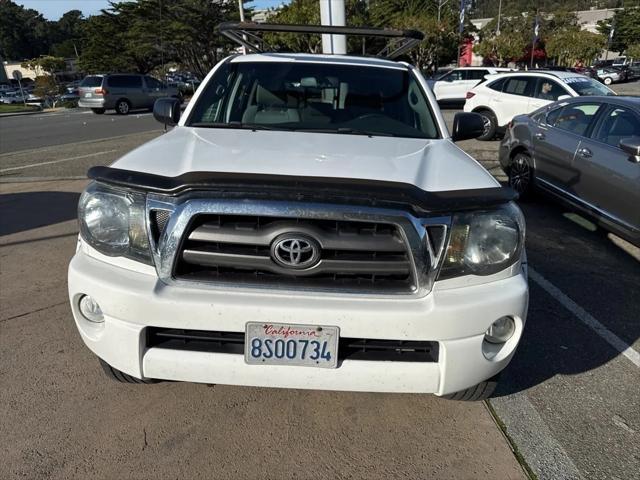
x,y
262,15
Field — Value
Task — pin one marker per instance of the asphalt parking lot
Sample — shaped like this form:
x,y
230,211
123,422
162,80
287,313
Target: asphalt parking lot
x,y
568,406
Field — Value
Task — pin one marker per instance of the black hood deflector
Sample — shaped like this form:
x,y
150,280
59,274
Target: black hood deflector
x,y
352,191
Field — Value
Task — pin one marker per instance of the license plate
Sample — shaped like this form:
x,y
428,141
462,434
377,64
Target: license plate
x,y
286,344
87,95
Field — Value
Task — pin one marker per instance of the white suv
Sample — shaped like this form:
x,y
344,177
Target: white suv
x,y
501,97
452,87
308,223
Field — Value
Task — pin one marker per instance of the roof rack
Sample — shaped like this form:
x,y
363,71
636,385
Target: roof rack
x,y
245,34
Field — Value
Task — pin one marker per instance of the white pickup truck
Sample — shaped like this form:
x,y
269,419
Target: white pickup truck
x,y
309,223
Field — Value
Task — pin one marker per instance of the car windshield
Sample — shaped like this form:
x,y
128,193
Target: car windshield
x,y
91,82
315,97
587,86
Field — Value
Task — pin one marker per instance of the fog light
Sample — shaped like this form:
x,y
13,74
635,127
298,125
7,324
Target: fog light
x,y
501,330
90,309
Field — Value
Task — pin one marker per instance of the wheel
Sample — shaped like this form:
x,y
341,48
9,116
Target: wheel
x,y
98,111
607,81
118,376
490,125
521,175
123,107
477,393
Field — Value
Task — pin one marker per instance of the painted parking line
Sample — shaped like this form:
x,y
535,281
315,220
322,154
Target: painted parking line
x,y
586,318
32,165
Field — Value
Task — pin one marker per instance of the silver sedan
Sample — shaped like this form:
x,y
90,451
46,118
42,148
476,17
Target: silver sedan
x,y
583,151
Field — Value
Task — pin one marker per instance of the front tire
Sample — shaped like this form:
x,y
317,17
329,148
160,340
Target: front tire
x,y
123,107
521,175
608,81
490,125
121,377
477,393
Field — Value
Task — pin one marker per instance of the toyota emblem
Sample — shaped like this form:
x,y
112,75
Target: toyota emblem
x,y
295,251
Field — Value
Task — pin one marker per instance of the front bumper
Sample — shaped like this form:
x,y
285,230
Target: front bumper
x,y
456,318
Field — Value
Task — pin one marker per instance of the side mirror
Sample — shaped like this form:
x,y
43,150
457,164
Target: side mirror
x,y
466,126
631,145
167,111
564,97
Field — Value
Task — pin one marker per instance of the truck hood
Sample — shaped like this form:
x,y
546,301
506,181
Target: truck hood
x,y
431,165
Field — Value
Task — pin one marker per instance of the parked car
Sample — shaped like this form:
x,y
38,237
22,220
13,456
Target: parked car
x,y
310,223
6,88
14,97
585,151
122,92
506,95
452,87
609,75
634,70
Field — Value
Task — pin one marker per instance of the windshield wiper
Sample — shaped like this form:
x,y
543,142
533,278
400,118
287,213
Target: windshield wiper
x,y
237,125
345,130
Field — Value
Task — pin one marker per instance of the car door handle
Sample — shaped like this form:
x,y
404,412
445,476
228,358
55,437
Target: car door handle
x,y
539,136
585,152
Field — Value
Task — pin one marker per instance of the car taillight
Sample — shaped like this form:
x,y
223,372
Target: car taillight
x,y
102,91
509,125
470,95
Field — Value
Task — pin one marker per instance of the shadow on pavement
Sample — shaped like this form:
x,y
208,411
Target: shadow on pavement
x,y
27,210
592,271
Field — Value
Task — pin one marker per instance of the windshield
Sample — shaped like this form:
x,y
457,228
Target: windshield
x,y
91,82
587,86
315,97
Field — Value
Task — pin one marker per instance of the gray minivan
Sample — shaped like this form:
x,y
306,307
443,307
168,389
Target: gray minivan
x,y
122,92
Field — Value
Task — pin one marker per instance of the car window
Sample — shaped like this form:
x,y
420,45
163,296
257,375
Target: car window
x,y
519,86
453,76
476,74
587,86
547,89
617,124
316,97
497,85
125,81
574,118
153,83
91,81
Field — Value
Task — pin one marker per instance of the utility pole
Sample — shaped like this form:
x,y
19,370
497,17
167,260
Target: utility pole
x,y
161,46
332,12
241,7
499,13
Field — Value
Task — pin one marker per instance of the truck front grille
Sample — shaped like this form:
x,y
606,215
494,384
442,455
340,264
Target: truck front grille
x,y
259,250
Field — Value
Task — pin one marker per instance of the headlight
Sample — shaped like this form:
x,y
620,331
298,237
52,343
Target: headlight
x,y
113,222
483,243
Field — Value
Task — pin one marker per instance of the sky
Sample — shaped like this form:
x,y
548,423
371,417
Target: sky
x,y
54,9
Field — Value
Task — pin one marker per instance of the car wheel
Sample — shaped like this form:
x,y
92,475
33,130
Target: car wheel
x,y
118,376
607,81
123,107
98,111
521,175
490,125
477,393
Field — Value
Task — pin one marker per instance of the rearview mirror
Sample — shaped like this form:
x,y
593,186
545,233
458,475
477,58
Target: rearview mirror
x,y
466,126
631,145
167,111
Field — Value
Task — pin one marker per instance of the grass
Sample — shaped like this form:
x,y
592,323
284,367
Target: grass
x,y
17,107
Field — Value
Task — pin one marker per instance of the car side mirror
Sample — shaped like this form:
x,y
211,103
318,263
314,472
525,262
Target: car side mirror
x,y
564,97
631,145
467,125
167,111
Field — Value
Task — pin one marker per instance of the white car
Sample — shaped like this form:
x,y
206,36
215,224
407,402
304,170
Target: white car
x,y
13,97
609,75
452,87
308,223
501,97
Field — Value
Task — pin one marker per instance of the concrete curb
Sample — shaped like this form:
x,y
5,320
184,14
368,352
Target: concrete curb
x,y
44,112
